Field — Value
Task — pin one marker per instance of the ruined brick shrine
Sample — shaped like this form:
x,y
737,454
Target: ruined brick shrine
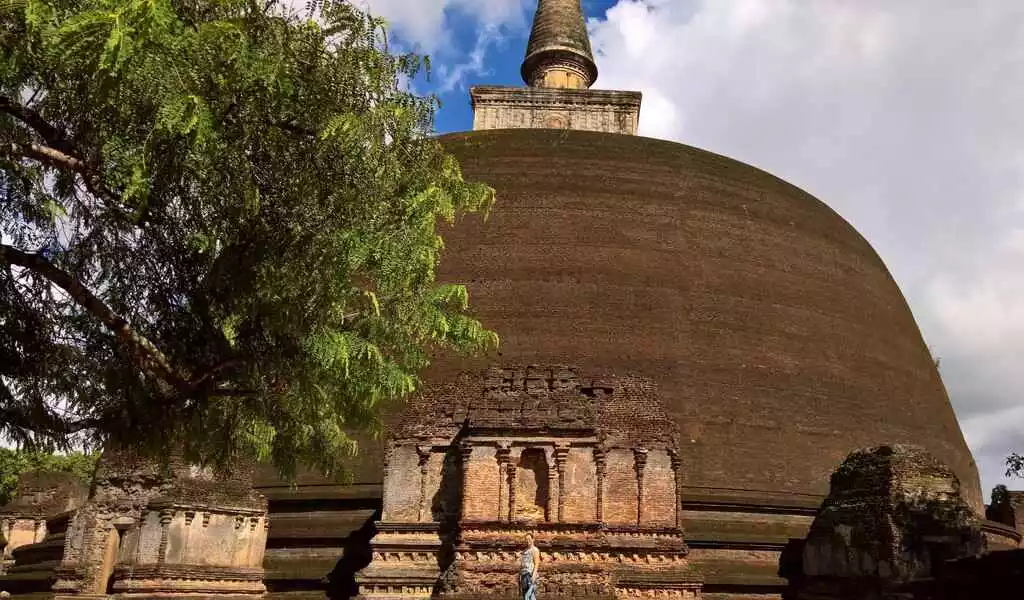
x,y
735,343
588,466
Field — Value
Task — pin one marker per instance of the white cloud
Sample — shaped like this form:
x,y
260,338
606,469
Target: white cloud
x,y
436,28
904,116
427,24
452,77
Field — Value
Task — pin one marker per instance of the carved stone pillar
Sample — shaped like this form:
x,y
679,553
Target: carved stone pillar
x,y
424,461
511,469
561,456
166,516
640,458
504,456
551,509
677,475
465,454
602,467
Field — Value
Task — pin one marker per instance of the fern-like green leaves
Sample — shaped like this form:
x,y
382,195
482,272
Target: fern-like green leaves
x,y
253,193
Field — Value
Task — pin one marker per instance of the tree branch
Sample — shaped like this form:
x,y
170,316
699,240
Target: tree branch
x,y
144,352
46,154
37,418
62,160
233,392
53,136
59,150
293,127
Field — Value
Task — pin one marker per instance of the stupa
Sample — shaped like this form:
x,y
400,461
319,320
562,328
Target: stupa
x,y
690,348
778,341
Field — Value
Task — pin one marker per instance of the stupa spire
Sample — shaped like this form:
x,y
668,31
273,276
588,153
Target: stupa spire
x,y
559,54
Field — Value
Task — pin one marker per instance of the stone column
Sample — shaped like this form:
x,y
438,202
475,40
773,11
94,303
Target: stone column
x,y
677,475
640,459
553,490
166,516
561,456
602,467
511,468
424,461
465,454
504,456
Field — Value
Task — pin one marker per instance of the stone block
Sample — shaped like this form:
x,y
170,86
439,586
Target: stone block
x,y
608,111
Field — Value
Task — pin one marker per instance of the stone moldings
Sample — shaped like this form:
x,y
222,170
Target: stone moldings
x,y
587,465
496,107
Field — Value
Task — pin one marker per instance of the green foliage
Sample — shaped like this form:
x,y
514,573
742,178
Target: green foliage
x,y
15,462
1015,465
245,204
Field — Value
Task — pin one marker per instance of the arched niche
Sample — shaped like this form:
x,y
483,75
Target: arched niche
x,y
532,489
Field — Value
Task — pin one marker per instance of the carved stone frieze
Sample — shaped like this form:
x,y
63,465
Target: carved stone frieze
x,y
606,111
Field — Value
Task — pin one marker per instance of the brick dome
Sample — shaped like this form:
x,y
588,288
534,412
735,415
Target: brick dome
x,y
777,338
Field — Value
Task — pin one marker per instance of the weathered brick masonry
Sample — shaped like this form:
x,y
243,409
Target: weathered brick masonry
x,y
588,466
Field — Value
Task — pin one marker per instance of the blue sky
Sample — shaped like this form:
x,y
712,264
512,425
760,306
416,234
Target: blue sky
x,y
902,116
503,54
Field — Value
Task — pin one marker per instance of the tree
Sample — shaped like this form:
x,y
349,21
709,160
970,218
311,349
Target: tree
x,y
1015,465
15,462
218,228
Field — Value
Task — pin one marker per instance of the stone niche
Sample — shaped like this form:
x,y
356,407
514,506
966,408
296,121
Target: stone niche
x,y
38,496
166,531
588,466
893,519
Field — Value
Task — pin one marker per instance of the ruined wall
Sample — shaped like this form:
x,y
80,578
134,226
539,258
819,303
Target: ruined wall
x,y
162,527
535,450
893,517
38,496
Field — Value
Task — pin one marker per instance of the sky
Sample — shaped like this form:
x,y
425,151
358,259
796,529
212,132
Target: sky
x,y
905,117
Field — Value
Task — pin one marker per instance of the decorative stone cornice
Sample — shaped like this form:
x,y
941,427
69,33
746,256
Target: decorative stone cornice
x,y
171,507
548,97
552,108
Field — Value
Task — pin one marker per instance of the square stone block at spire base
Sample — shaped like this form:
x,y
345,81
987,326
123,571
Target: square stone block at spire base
x,y
608,111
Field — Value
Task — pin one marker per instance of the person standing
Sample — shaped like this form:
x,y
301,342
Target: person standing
x,y
529,562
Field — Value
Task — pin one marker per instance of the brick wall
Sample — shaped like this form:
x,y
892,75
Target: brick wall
x,y
620,489
659,494
580,486
483,487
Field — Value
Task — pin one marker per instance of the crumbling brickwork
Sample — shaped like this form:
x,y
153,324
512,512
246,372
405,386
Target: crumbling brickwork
x,y
151,529
38,496
540,450
893,517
